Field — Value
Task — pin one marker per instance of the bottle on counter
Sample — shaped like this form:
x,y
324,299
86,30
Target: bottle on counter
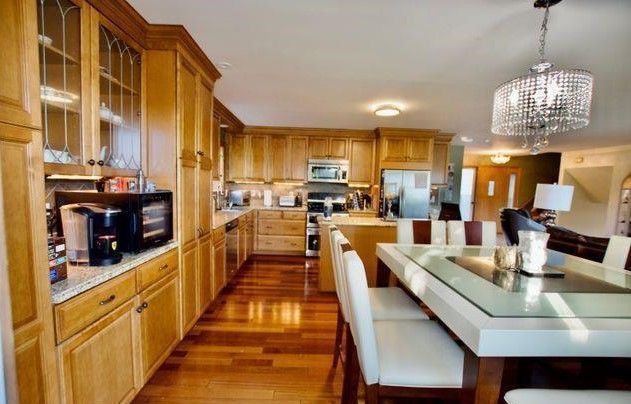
x,y
140,180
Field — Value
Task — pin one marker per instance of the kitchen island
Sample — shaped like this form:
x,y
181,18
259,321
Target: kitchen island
x,y
363,233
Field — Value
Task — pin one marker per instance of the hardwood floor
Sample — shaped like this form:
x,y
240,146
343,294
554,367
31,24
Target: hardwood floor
x,y
269,338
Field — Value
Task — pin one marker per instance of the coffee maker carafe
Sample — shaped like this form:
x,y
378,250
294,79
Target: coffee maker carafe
x,y
91,232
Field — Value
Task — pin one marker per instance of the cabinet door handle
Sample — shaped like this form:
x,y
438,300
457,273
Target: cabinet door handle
x,y
101,163
200,153
108,300
91,162
143,306
163,267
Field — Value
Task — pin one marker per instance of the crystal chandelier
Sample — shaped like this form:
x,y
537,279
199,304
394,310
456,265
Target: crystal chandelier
x,y
544,101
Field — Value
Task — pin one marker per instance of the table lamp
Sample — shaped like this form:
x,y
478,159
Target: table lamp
x,y
552,198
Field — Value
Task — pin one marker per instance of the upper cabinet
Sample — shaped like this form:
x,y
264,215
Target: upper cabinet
x,y
298,158
90,91
362,161
19,100
440,160
407,149
328,148
120,102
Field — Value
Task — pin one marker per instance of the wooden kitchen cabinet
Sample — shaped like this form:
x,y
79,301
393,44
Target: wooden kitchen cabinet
x,y
420,150
159,325
189,282
257,158
19,92
205,272
281,232
23,229
405,149
216,145
237,157
219,260
99,364
362,161
328,148
298,149
394,148
279,158
242,243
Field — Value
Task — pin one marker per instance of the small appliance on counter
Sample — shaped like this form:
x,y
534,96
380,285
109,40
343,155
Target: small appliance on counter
x,y
287,201
146,219
239,198
91,233
267,198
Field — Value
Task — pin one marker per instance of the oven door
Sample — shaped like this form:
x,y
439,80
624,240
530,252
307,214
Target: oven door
x,y
312,219
313,242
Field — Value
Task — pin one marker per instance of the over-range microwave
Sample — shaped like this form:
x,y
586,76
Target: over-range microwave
x,y
328,171
146,218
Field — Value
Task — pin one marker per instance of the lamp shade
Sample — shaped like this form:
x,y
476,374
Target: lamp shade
x,y
554,197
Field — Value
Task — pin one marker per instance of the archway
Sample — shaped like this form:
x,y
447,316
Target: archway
x,y
623,227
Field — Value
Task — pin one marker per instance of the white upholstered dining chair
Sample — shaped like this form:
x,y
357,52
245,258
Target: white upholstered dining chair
x,y
390,303
542,396
418,231
618,254
461,232
410,358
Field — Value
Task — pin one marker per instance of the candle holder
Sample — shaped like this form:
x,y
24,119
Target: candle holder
x,y
532,248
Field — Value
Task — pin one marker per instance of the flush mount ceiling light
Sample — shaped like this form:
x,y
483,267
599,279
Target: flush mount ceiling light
x,y
544,101
224,65
500,158
387,110
466,139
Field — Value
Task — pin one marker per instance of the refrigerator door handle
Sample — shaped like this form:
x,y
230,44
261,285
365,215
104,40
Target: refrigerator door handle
x,y
402,201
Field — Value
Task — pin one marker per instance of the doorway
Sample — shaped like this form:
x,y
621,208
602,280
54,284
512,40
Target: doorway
x,y
496,188
467,193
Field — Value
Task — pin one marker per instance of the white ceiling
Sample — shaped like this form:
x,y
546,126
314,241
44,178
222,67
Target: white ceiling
x,y
325,63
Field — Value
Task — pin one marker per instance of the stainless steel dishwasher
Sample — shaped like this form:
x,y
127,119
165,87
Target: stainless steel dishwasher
x,y
232,248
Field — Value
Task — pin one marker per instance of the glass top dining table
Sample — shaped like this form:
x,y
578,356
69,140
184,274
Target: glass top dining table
x,y
586,290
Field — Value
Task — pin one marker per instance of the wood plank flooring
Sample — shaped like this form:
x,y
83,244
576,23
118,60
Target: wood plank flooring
x,y
269,338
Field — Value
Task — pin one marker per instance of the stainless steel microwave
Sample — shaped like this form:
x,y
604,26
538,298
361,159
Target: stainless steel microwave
x,y
328,171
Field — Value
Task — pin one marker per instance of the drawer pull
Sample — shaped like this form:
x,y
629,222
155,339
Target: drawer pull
x,y
108,300
143,306
163,267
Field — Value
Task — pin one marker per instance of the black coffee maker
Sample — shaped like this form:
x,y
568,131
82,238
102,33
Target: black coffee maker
x,y
91,232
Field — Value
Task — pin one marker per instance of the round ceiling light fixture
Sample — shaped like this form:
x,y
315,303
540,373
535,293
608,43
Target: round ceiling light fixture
x,y
500,158
466,139
224,65
387,110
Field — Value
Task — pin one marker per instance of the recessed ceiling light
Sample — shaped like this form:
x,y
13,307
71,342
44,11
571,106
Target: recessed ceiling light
x,y
487,140
387,110
466,139
224,65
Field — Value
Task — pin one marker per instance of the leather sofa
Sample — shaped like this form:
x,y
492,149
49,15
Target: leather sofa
x,y
561,239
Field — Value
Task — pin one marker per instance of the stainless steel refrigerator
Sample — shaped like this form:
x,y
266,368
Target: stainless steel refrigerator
x,y
404,194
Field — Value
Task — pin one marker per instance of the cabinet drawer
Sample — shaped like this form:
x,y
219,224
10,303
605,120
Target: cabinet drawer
x,y
219,234
281,243
270,214
156,269
79,312
289,215
282,228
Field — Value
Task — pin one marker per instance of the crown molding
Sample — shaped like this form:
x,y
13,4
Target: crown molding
x,y
225,115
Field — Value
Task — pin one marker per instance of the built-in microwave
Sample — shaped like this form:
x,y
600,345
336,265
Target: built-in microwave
x,y
146,218
328,171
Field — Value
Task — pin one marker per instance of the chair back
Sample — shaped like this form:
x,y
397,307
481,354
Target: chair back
x,y
449,211
482,233
416,231
618,252
513,220
337,239
361,322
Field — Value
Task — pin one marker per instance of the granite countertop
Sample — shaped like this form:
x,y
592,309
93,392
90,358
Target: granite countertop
x,y
356,221
221,217
82,278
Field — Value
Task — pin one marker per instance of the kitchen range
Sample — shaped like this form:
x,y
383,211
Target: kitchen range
x,y
315,209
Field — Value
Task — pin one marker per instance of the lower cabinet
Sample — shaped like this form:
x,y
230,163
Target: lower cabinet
x,y
189,288
205,271
243,243
157,310
281,232
219,261
98,364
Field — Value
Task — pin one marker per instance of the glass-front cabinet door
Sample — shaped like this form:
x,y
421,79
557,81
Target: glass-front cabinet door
x,y
119,109
61,66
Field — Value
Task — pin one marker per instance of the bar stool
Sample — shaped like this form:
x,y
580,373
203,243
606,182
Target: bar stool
x,y
397,358
389,303
412,231
538,396
471,233
618,254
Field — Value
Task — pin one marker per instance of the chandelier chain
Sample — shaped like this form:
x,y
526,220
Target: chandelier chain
x,y
543,32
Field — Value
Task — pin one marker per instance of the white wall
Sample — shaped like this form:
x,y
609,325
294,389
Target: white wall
x,y
589,216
